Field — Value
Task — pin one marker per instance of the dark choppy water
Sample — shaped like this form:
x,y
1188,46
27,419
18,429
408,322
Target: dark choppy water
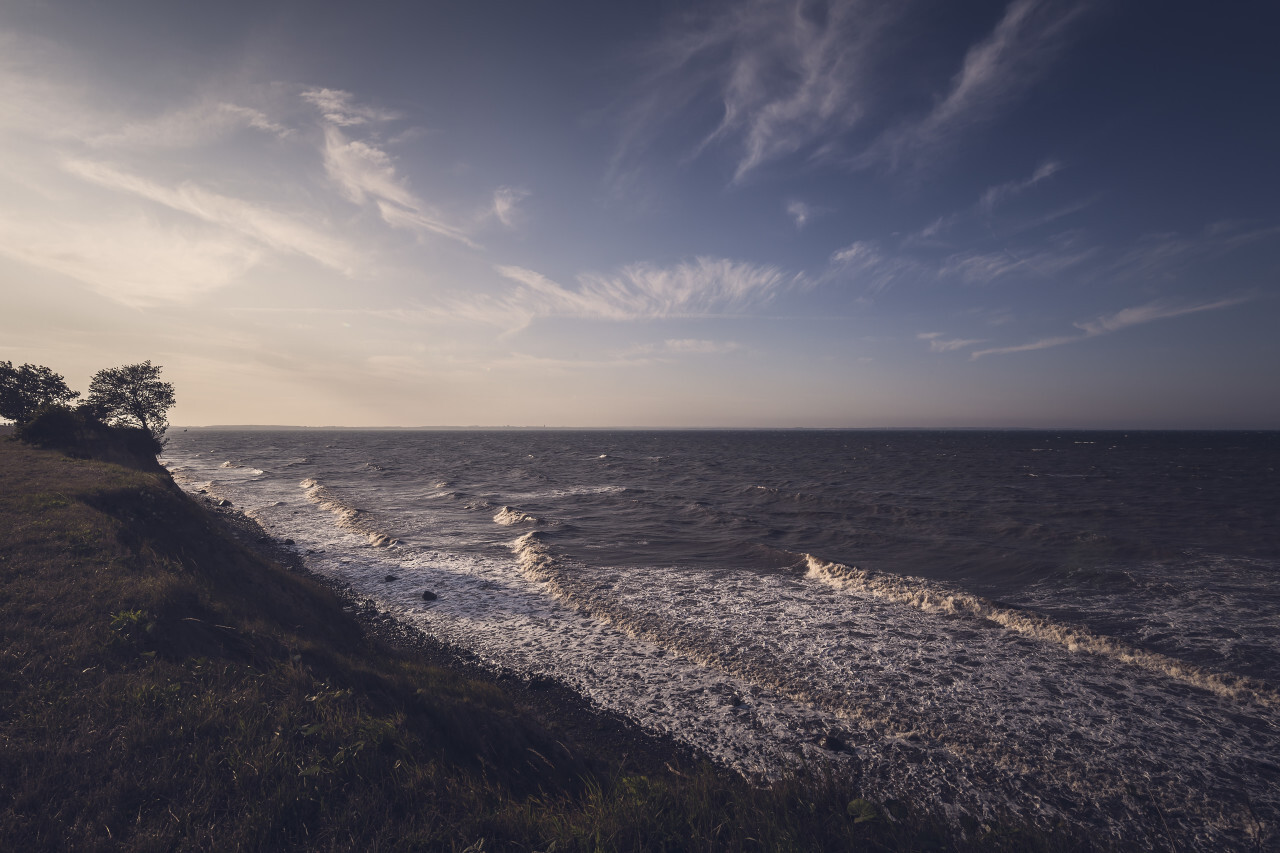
x,y
1073,626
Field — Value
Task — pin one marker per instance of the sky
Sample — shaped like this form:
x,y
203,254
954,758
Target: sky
x,y
872,213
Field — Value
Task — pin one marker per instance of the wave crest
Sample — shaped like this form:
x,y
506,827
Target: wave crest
x,y
350,518
918,593
508,516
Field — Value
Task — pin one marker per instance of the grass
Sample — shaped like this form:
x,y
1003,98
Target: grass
x,y
164,687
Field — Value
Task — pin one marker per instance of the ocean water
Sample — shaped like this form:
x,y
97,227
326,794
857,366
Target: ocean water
x,y
1076,628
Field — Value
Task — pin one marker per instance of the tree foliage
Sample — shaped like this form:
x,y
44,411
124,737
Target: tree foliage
x,y
27,389
132,395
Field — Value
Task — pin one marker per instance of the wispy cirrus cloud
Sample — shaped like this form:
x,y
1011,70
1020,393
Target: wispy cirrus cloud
x,y
799,78
687,346
1109,323
263,225
790,75
197,124
866,264
996,71
366,174
938,343
1063,253
1159,310
131,258
1001,192
506,201
703,287
339,108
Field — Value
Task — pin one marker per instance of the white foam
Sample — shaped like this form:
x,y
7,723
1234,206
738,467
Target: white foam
x,y
922,595
349,517
509,517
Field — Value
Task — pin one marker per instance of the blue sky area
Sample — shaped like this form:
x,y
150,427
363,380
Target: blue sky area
x,y
1033,213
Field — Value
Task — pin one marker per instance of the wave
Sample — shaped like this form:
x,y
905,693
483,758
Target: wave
x,y
926,597
508,516
350,518
591,598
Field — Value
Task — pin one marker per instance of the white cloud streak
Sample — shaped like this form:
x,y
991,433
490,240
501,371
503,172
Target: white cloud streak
x,y
272,229
505,205
701,347
189,127
866,265
1140,314
799,78
1108,323
997,194
790,75
132,258
704,287
365,174
996,71
937,343
986,267
338,108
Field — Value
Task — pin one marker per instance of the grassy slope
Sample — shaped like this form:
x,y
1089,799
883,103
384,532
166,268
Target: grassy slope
x,y
162,687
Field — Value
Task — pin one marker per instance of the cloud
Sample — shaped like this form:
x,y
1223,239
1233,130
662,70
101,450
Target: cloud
x,y
505,201
997,194
800,213
986,267
816,79
705,287
265,226
995,71
867,265
992,198
789,75
1146,313
132,258
191,126
338,108
1108,323
939,344
366,174
699,346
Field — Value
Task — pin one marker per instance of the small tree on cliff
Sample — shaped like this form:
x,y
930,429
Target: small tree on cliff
x,y
132,395
27,389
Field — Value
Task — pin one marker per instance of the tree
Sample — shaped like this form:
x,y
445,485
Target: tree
x,y
132,395
27,389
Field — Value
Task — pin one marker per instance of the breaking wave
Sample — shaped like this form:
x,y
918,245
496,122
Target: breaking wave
x,y
922,595
350,518
510,517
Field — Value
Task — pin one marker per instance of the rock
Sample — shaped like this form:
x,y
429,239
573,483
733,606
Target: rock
x,y
289,542
833,742
428,595
224,502
390,578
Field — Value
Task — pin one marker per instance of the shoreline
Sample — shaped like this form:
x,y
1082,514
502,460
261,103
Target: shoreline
x,y
591,731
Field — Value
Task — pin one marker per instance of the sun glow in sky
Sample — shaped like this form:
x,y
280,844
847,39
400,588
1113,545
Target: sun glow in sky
x,y
756,213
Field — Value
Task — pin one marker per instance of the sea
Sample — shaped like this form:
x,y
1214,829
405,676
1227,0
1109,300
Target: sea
x,y
1070,629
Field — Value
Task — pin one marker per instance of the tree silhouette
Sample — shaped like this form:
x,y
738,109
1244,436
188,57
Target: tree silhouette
x,y
27,389
132,395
